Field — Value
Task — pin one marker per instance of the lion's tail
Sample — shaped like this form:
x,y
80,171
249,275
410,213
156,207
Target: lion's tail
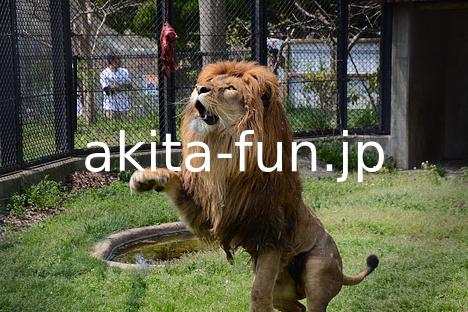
x,y
372,262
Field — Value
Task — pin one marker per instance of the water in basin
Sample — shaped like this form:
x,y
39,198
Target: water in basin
x,y
159,250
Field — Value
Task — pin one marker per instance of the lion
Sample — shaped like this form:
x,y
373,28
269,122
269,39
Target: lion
x,y
264,213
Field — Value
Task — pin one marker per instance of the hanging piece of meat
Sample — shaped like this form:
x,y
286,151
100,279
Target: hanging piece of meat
x,y
168,38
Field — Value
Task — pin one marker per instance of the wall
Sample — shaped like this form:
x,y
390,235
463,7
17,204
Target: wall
x,y
429,84
400,92
456,87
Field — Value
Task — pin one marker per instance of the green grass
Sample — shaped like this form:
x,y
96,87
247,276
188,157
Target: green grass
x,y
317,119
311,119
417,225
137,129
39,136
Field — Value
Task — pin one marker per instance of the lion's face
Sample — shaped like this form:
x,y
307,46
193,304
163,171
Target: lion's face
x,y
231,97
218,104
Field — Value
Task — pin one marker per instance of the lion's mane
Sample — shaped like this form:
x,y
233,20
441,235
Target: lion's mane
x,y
252,209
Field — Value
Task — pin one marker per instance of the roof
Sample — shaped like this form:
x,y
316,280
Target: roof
x,y
432,4
406,1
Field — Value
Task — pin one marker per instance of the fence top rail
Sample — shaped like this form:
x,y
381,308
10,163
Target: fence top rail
x,y
122,56
327,41
155,56
331,75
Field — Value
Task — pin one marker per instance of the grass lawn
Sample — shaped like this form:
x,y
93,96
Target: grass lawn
x,y
415,223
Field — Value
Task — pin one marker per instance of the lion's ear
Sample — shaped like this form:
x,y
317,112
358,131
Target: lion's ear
x,y
270,93
262,82
266,98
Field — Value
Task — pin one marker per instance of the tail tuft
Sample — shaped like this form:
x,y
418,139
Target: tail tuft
x,y
372,263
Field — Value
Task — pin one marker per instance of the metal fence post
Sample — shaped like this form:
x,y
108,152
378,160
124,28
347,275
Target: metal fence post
x,y
61,65
342,65
57,76
167,114
385,67
259,31
70,90
160,17
10,98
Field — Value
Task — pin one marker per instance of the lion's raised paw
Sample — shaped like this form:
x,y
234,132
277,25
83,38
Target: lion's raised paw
x,y
142,181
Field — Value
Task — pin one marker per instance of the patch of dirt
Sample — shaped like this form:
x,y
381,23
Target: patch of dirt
x,y
9,225
80,181
305,169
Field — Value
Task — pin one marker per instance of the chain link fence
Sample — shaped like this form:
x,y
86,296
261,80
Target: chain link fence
x,y
364,103
80,71
303,42
115,46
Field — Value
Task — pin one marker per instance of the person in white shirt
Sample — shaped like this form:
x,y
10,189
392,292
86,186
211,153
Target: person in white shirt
x,y
115,82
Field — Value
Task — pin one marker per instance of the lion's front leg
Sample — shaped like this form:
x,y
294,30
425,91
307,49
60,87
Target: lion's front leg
x,y
169,182
266,272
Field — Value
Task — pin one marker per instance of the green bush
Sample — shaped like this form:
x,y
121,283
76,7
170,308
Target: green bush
x,y
17,205
47,194
124,176
436,171
464,172
332,153
324,85
363,95
389,165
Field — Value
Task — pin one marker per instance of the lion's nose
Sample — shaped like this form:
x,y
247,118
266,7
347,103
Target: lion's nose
x,y
203,89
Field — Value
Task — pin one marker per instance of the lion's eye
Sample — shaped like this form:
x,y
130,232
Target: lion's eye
x,y
230,88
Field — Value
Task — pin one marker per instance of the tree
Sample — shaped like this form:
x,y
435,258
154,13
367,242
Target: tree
x,y
82,25
213,24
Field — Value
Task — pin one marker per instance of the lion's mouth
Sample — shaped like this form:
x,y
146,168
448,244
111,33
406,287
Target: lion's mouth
x,y
208,117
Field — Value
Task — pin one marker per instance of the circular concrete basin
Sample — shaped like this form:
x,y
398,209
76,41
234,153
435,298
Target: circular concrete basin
x,y
149,246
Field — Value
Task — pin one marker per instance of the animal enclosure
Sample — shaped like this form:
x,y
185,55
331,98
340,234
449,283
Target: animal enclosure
x,y
332,59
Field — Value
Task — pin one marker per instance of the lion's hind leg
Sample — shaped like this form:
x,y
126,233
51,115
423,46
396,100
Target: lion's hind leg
x,y
322,279
285,295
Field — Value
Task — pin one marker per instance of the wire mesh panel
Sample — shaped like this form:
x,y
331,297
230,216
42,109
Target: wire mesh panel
x,y
208,30
302,50
42,79
115,46
303,44
363,65
132,107
9,123
34,86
